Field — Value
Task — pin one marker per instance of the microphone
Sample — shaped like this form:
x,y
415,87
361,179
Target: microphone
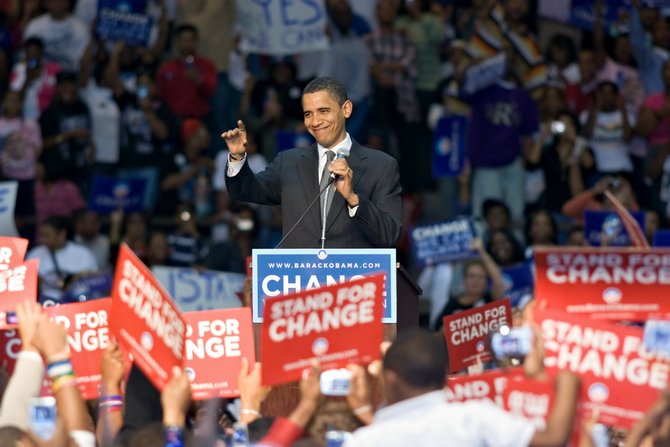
x,y
309,207
342,152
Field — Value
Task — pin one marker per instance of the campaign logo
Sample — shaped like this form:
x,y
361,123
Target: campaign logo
x,y
480,346
190,373
322,254
443,146
612,295
147,341
121,190
598,392
612,225
320,346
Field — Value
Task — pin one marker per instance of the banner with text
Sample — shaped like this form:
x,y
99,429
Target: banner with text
x,y
110,194
17,284
607,224
618,377
280,272
449,146
124,21
442,242
509,389
282,28
337,324
87,336
8,192
519,283
216,341
144,319
467,333
195,290
604,283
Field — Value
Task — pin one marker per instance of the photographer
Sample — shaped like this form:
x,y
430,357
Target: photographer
x,y
594,199
561,155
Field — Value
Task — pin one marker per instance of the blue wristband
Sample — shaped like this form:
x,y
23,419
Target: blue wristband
x,y
174,436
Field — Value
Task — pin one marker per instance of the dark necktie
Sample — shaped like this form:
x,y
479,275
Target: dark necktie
x,y
325,177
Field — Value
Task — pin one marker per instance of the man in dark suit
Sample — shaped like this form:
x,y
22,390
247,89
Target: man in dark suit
x,y
366,207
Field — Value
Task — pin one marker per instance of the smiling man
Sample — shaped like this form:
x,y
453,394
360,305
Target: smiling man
x,y
363,206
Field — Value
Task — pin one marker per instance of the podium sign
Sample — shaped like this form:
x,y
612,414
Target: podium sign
x,y
283,271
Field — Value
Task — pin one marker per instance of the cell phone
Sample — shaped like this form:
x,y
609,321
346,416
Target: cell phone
x,y
511,343
656,336
335,382
613,184
11,317
557,127
189,60
43,416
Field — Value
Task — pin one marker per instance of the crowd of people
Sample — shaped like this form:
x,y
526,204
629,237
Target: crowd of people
x,y
571,117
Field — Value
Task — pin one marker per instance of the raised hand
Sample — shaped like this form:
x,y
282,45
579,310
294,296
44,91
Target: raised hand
x,y
236,139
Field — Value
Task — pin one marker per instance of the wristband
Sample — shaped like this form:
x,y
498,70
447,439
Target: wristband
x,y
63,355
63,382
251,411
174,436
362,410
110,397
59,368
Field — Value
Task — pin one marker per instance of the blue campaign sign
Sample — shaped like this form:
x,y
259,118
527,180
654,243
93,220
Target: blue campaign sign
x,y
109,194
124,20
194,290
442,242
608,223
519,283
582,13
281,272
449,146
662,238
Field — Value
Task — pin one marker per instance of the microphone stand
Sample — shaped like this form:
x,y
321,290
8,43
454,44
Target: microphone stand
x,y
302,216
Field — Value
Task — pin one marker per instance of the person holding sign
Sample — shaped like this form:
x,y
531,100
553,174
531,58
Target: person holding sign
x,y
476,290
364,213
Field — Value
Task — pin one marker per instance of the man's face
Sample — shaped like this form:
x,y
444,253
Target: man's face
x,y
324,118
516,10
58,7
587,65
186,43
88,226
51,237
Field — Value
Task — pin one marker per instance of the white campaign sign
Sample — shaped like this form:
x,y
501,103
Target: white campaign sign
x,y
282,27
206,290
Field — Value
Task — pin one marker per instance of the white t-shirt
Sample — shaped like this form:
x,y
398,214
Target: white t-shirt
x,y
428,420
607,141
64,40
72,258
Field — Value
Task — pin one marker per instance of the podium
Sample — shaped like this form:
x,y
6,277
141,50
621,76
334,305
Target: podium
x,y
284,398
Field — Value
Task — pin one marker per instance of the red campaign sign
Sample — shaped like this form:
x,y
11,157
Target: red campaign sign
x,y
467,333
530,399
87,335
216,341
12,251
488,385
618,377
603,283
145,320
17,284
509,389
339,325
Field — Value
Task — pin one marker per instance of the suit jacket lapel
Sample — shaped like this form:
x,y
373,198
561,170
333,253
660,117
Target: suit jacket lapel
x,y
308,167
